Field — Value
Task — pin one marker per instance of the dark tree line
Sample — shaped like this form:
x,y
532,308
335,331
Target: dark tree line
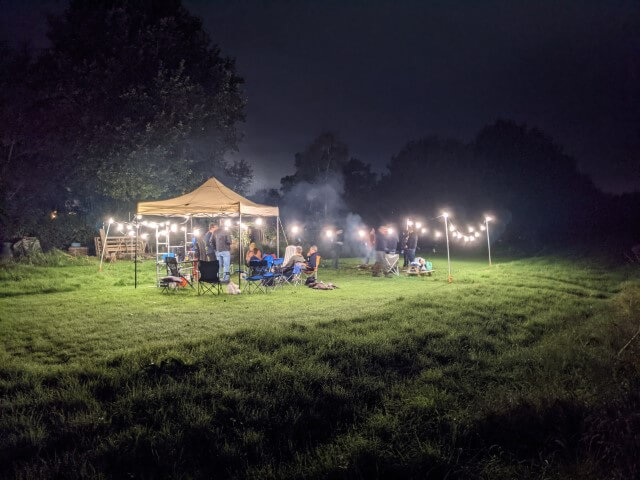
x,y
131,101
515,171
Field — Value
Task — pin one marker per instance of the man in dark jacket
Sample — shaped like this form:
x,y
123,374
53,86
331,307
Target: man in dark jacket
x,y
223,251
380,248
210,242
412,244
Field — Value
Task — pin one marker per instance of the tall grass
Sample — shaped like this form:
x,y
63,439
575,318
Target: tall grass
x,y
510,372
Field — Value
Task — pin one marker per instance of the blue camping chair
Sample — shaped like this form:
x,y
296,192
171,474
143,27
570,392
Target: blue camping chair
x,y
255,279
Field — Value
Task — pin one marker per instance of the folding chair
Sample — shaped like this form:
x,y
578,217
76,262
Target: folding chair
x,y
174,271
314,272
391,260
255,278
208,281
174,280
292,277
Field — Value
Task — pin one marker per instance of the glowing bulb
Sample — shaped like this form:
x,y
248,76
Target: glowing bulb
x,y
466,239
483,228
438,234
153,225
196,232
110,220
258,221
245,226
132,233
120,227
295,229
476,234
471,239
139,217
409,223
452,228
174,227
488,219
424,230
390,231
329,233
129,227
361,233
183,229
445,214
470,228
145,236
227,223
418,225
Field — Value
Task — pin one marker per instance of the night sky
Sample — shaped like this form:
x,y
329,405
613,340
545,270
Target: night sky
x,y
382,73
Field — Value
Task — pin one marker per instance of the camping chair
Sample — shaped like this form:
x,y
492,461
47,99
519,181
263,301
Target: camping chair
x,y
255,278
174,280
292,277
314,272
391,260
208,280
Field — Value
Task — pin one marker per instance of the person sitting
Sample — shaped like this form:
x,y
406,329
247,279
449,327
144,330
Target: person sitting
x,y
312,259
295,258
253,253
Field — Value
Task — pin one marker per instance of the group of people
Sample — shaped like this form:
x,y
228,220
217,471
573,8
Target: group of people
x,y
217,246
293,256
386,241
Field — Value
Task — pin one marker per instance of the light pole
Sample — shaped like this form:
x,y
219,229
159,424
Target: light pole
x,y
486,225
104,246
445,215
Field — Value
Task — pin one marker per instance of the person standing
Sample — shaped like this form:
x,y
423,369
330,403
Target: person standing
x,y
403,247
223,252
370,246
380,246
210,242
412,244
338,242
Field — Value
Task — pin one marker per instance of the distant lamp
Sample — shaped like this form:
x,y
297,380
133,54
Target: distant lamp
x,y
174,227
424,230
129,227
483,228
110,220
145,236
418,225
132,233
329,233
470,228
139,217
390,230
120,227
438,234
53,214
183,229
476,234
295,229
258,221
196,232
452,228
488,219
409,223
361,233
227,223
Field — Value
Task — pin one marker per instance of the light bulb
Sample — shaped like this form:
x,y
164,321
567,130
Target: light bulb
x,y
258,221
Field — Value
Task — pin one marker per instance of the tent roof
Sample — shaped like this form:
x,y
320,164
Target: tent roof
x,y
210,198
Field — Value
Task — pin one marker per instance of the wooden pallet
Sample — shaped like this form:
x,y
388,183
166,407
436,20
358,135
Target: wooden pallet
x,y
119,247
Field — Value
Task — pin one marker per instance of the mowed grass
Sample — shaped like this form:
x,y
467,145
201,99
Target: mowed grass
x,y
512,371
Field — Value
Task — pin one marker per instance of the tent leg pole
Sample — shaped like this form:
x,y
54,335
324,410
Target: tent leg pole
x,y
278,236
104,247
239,249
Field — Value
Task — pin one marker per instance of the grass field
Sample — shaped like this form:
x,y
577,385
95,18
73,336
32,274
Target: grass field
x,y
512,371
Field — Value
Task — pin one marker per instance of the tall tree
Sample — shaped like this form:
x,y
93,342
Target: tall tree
x,y
135,89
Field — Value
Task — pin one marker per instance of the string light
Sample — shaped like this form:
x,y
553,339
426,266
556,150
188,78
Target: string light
x,y
110,220
295,229
129,227
418,225
139,217
196,232
438,234
227,223
329,233
183,229
174,227
390,230
120,227
424,230
258,221
361,233
145,236
452,228
476,234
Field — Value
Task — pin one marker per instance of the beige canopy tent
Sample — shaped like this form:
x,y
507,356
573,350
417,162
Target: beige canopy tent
x,y
211,199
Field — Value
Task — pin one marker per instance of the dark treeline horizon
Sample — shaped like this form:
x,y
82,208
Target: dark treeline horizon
x,y
133,101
